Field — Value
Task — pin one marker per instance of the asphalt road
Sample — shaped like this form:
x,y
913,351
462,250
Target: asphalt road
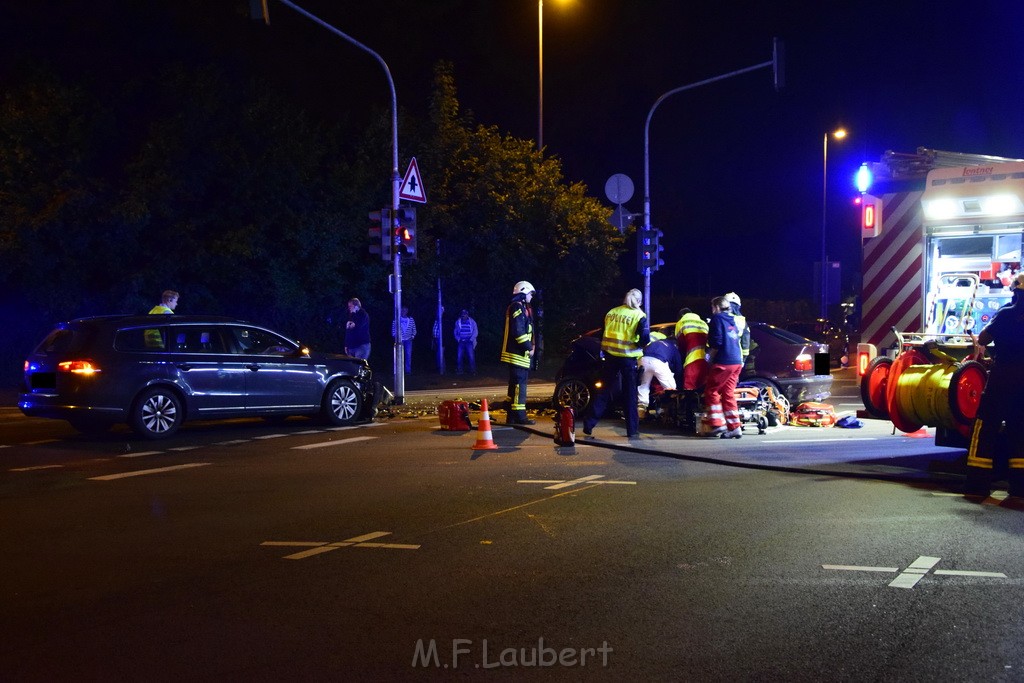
x,y
239,550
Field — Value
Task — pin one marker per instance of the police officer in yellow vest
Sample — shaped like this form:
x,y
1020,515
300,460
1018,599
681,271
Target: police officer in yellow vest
x,y
626,332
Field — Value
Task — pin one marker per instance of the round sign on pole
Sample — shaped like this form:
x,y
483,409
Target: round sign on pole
x,y
619,189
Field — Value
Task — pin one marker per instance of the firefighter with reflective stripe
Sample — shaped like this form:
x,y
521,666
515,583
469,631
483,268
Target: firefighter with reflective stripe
x,y
692,338
626,332
741,323
997,440
517,350
722,416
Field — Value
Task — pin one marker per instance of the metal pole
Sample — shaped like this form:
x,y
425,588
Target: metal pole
x,y
540,74
824,194
396,188
647,159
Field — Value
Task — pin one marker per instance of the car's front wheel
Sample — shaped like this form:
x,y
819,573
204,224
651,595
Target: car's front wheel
x,y
572,393
157,413
342,403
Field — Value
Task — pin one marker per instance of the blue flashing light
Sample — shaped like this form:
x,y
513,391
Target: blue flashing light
x,y
864,178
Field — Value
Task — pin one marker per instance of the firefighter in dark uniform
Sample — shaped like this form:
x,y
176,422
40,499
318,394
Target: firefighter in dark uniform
x,y
626,332
997,441
517,350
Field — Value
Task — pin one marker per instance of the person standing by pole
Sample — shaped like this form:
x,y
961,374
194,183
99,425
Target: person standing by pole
x,y
407,330
517,350
465,337
626,332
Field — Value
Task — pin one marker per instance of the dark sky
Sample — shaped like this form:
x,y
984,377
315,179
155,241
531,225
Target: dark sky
x,y
736,168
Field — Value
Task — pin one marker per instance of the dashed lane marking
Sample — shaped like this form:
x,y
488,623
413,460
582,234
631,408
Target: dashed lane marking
x,y
325,444
156,470
916,571
320,547
139,454
563,484
35,467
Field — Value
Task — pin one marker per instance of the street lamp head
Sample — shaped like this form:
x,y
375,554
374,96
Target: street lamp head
x,y
839,133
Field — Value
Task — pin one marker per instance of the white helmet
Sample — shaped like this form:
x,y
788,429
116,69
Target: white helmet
x,y
523,287
733,298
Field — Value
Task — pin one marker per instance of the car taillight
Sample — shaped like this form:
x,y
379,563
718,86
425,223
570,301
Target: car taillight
x,y
804,362
78,367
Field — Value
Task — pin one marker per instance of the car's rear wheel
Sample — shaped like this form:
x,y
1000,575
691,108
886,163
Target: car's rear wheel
x,y
572,393
342,404
157,413
90,425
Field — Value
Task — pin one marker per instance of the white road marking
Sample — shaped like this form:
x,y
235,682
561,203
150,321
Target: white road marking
x,y
270,436
139,473
562,483
184,448
917,570
324,444
36,467
364,426
233,442
140,454
854,568
320,547
309,431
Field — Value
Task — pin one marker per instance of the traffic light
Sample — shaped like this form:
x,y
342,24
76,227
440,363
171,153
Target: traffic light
x,y
380,233
648,249
407,231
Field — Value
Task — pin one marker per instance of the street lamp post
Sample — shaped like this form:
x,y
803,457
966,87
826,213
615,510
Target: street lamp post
x,y
838,134
540,74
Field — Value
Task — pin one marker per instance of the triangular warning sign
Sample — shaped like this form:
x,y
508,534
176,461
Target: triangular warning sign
x,y
412,185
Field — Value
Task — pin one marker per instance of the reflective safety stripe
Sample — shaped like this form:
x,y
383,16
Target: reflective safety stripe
x,y
695,355
620,332
973,459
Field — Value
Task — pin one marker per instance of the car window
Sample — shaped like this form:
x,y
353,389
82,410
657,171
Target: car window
x,y
788,337
199,339
250,340
58,342
138,339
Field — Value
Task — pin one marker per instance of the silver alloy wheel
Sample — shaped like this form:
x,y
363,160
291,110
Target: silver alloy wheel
x,y
157,414
344,402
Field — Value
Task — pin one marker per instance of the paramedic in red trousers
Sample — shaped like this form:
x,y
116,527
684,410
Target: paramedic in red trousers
x,y
626,332
660,361
517,350
722,416
998,437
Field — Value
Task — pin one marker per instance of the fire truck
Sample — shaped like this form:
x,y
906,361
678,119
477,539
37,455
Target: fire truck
x,y
941,241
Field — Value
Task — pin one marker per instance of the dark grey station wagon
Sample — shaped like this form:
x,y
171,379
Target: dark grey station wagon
x,y
156,371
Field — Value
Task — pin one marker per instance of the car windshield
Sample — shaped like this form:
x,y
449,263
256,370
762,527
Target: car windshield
x,y
788,337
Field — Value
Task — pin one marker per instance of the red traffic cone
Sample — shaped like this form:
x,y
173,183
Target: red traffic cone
x,y
484,440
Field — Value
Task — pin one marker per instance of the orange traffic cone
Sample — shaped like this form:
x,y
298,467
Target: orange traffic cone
x,y
484,441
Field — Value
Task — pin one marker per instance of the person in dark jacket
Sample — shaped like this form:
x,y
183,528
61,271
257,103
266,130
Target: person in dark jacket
x,y
722,417
661,361
1001,410
357,330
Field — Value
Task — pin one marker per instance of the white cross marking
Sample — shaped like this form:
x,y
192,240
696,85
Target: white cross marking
x,y
319,547
563,484
917,570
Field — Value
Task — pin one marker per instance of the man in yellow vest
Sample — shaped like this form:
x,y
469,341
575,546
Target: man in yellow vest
x,y
626,332
168,302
